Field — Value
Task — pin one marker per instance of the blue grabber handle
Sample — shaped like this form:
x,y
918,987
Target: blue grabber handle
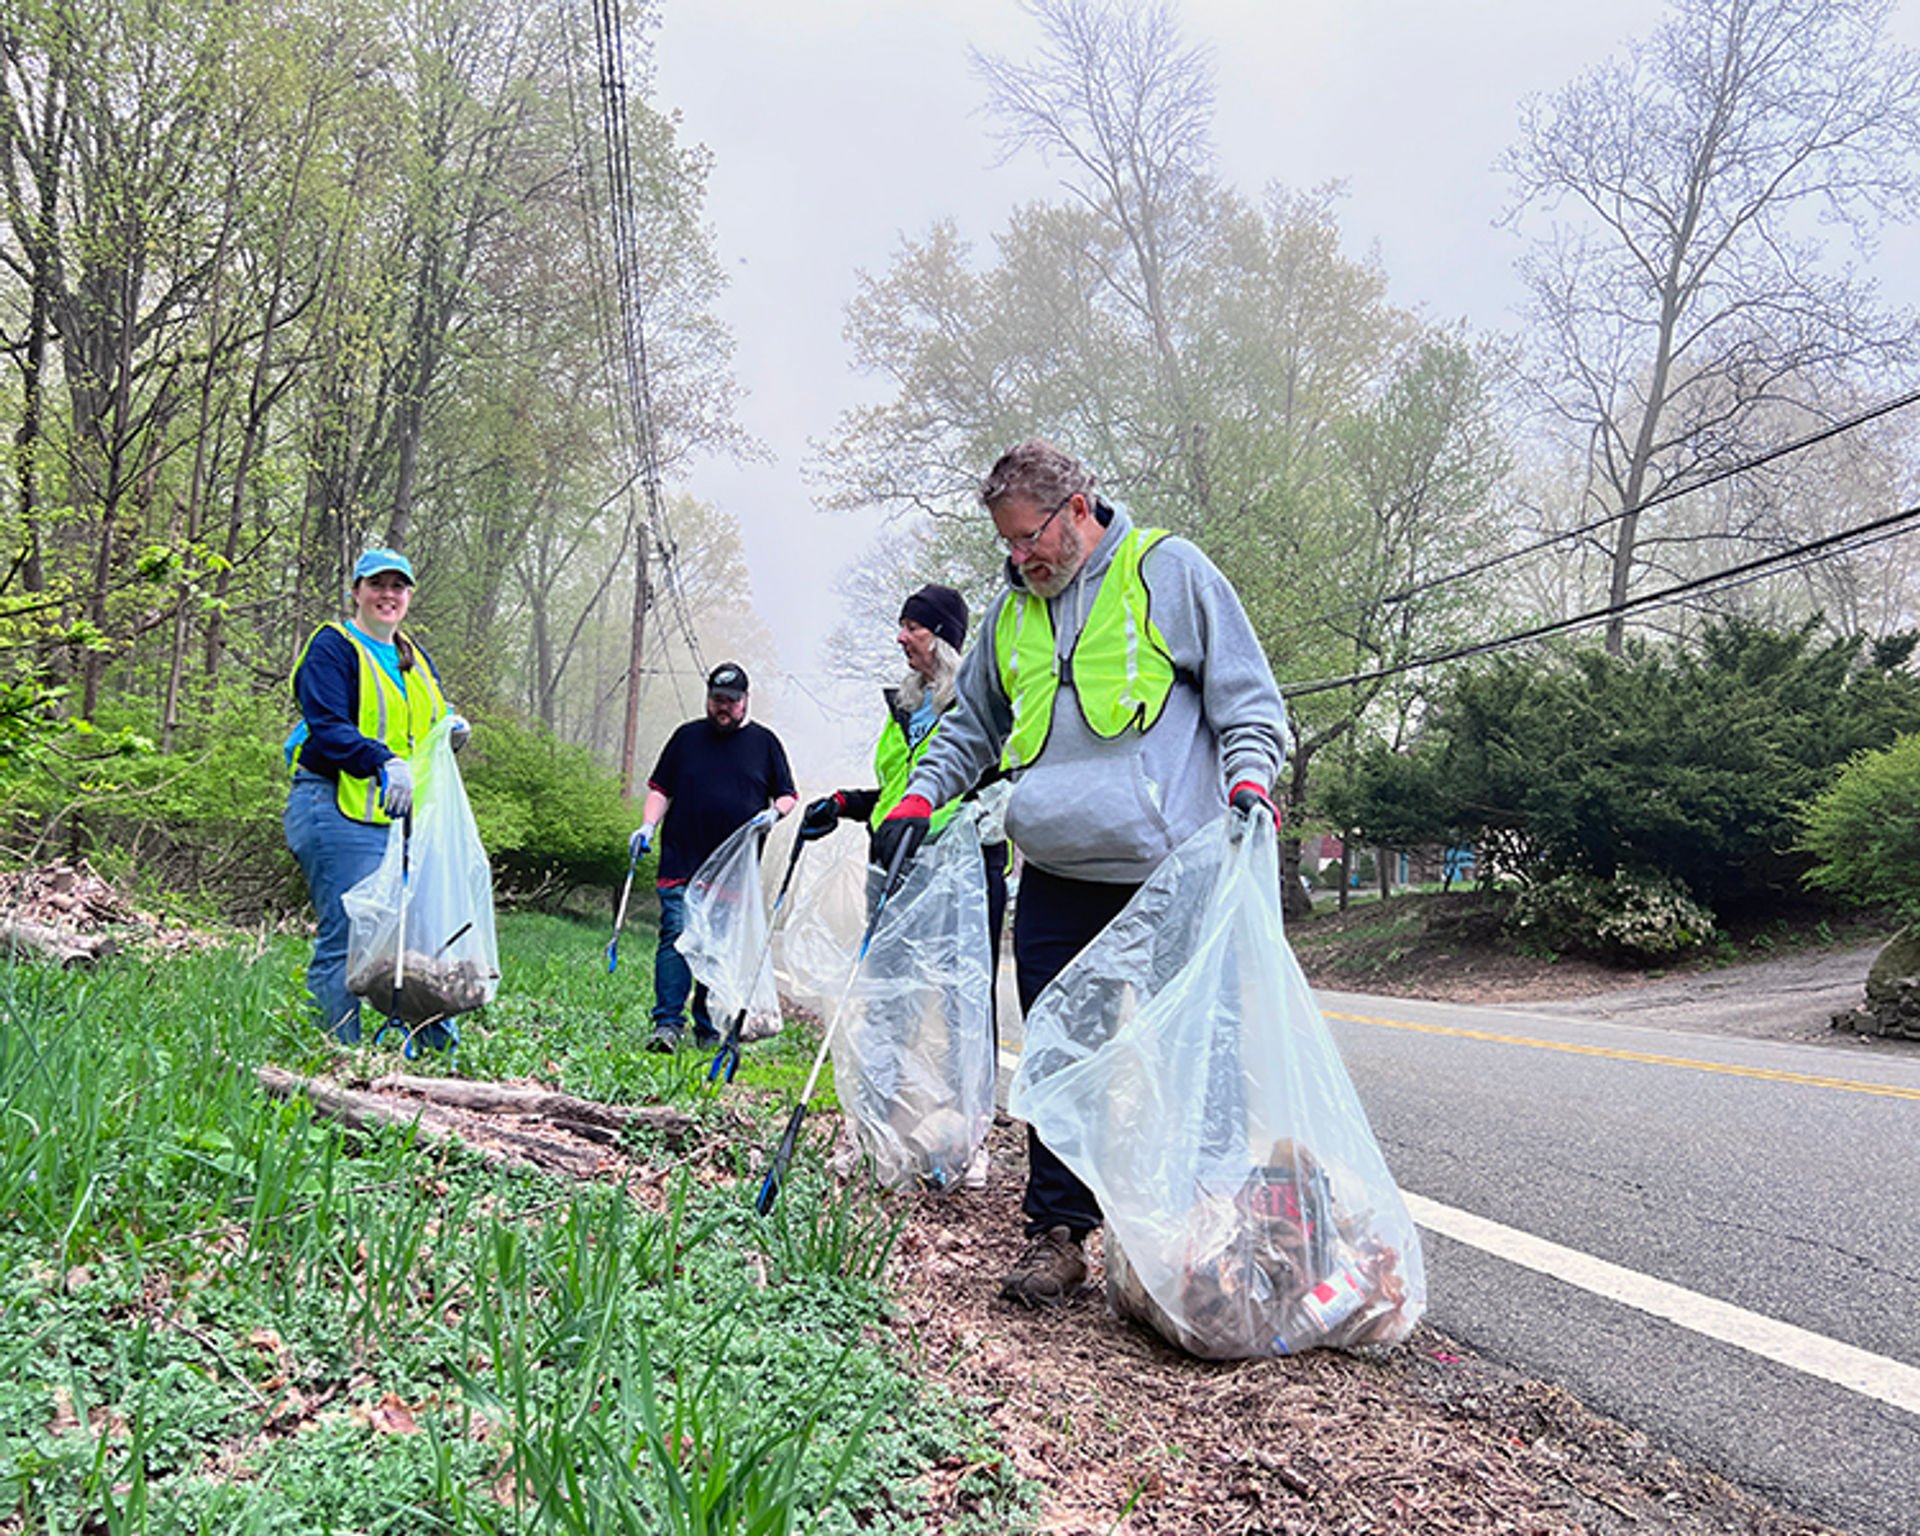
x,y
620,916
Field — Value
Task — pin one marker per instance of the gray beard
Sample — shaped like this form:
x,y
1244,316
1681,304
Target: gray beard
x,y
1059,581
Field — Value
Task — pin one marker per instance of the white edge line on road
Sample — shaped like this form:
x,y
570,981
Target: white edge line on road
x,y
1874,1376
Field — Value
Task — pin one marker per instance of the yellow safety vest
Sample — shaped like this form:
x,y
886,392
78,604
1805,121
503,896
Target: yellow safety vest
x,y
1120,667
396,714
893,764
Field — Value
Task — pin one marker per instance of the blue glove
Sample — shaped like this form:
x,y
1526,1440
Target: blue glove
x,y
459,733
639,843
396,787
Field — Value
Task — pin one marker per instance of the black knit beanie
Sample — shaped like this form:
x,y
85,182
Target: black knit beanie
x,y
940,609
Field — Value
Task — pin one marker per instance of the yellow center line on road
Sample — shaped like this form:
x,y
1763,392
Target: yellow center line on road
x,y
1726,1069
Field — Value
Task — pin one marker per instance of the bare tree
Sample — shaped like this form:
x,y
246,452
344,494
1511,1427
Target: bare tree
x,y
1117,98
1681,289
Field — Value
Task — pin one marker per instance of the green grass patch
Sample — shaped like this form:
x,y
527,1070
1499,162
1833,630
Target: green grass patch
x,y
218,1313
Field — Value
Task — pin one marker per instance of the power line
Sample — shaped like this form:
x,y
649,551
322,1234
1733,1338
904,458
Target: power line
x,y
1660,498
609,38
1864,536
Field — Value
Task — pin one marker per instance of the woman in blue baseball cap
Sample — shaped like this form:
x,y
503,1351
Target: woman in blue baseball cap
x,y
368,696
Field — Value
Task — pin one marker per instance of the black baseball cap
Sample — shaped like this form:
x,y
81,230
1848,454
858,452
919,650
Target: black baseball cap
x,y
729,680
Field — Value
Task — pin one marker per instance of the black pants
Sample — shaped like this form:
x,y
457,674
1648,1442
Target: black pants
x,y
1054,920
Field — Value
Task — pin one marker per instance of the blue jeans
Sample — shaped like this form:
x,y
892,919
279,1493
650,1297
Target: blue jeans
x,y
335,853
673,978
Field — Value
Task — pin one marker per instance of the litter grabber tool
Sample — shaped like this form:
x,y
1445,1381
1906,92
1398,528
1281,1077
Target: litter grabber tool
x,y
620,915
408,1045
727,1058
790,1137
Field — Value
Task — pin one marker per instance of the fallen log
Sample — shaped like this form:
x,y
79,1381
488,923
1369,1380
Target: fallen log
x,y
553,1146
65,948
538,1103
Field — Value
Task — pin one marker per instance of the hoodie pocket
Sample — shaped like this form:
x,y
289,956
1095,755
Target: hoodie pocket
x,y
1097,813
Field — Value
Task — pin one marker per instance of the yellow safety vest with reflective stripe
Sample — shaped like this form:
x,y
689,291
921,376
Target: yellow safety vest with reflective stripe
x,y
893,764
398,714
1120,667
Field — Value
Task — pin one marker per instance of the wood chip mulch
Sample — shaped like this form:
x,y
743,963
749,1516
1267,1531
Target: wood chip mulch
x,y
1128,1435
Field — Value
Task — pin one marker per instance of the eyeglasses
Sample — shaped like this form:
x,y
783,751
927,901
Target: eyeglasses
x,y
1026,543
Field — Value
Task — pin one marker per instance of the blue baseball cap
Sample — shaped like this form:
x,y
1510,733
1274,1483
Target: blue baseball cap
x,y
374,561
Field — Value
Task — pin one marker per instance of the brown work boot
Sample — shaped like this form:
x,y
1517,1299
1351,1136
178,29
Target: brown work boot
x,y
1051,1269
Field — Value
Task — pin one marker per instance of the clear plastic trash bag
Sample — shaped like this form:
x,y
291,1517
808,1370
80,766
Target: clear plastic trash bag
x,y
724,938
913,1055
817,943
1181,1067
452,962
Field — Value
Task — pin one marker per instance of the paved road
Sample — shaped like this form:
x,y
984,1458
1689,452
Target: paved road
x,y
1753,1182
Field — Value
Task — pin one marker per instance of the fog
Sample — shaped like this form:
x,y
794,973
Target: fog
x,y
840,127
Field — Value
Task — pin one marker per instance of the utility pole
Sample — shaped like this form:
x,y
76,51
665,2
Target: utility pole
x,y
631,740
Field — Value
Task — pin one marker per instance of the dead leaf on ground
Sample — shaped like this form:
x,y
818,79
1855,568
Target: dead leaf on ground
x,y
389,1416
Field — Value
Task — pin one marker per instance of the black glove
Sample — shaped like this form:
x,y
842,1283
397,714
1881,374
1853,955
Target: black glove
x,y
821,817
902,833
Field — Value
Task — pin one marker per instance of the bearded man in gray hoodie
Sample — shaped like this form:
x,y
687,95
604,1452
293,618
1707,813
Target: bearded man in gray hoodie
x,y
1118,681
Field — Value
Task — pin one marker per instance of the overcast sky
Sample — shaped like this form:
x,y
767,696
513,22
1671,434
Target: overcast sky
x,y
840,128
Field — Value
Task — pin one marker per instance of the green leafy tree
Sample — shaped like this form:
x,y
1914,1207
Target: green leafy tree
x,y
1678,761
1220,364
550,813
1863,831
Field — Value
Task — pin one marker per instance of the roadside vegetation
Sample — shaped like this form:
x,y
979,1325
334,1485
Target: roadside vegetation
x,y
223,1315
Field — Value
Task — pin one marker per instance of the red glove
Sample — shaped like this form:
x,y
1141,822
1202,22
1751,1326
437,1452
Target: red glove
x,y
904,830
1247,797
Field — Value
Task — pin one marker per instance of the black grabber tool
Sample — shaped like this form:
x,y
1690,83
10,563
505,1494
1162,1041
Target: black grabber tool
x,y
790,1137
727,1058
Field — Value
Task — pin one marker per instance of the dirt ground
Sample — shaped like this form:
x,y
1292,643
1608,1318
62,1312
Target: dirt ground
x,y
1129,1435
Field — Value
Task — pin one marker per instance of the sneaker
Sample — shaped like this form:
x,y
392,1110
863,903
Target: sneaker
x,y
976,1175
665,1041
1051,1269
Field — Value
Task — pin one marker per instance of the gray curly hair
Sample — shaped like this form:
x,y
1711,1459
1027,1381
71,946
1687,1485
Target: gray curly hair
x,y
1037,471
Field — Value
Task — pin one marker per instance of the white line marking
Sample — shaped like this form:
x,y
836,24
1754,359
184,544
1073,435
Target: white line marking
x,y
1875,1376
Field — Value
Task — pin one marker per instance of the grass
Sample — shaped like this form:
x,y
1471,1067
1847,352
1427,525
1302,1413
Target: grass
x,y
219,1314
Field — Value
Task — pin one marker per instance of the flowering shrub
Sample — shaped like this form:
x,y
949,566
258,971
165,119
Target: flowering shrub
x,y
1633,916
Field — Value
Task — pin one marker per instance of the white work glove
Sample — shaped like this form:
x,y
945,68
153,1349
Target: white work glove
x,y
639,843
459,733
764,819
396,787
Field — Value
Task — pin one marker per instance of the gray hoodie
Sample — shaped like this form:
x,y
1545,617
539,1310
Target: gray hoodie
x,y
1111,810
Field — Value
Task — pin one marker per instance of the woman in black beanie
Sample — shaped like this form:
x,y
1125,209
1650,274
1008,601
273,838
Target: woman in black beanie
x,y
933,627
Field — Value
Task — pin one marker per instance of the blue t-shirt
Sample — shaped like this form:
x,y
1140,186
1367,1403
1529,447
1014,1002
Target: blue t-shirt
x,y
715,782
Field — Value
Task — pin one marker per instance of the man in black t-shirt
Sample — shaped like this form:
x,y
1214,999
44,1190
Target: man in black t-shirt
x,y
714,775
